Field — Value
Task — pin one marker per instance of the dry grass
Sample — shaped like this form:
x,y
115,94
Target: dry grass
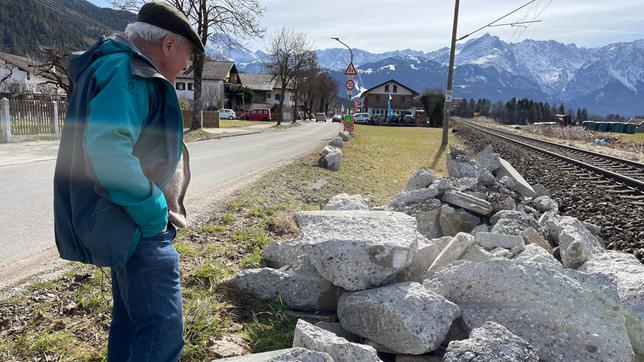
x,y
67,319
630,147
226,123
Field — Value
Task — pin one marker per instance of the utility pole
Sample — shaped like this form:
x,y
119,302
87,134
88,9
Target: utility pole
x,y
450,74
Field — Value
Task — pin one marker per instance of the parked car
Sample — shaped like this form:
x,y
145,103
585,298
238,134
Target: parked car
x,y
362,118
409,120
320,117
336,118
259,114
225,113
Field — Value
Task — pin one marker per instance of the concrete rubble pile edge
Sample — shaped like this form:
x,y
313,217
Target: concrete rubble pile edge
x,y
449,268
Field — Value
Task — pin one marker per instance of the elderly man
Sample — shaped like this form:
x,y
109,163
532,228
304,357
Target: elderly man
x,y
121,175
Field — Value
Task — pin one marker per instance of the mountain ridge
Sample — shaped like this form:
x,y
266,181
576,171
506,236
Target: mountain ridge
x,y
544,70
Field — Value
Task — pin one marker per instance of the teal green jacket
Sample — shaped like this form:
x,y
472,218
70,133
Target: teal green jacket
x,y
120,145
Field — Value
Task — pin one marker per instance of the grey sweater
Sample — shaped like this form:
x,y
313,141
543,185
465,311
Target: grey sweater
x,y
175,191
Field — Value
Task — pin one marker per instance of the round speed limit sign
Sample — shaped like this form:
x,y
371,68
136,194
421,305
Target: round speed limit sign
x,y
350,84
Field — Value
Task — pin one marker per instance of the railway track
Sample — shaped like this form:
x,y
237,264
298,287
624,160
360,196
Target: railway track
x,y
600,189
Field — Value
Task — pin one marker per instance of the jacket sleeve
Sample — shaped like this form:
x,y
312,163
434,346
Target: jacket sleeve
x,y
115,116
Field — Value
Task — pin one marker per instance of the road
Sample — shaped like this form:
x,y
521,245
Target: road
x,y
218,167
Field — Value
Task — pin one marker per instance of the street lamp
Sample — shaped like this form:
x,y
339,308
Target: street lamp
x,y
348,47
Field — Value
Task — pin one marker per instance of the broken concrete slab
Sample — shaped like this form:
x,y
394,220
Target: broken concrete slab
x,y
407,198
357,249
491,342
302,288
314,338
453,250
576,243
522,186
346,202
476,253
428,251
429,221
282,355
531,236
404,317
626,275
453,221
467,202
537,254
487,159
563,314
493,240
421,179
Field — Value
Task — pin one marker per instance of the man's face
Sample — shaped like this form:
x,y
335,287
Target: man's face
x,y
176,55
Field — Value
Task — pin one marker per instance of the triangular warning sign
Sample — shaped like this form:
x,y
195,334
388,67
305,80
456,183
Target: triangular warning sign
x,y
351,70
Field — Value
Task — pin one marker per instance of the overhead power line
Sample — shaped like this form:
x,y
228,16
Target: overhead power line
x,y
497,20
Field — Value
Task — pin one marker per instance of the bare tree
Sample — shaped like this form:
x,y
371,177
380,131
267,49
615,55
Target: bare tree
x,y
6,80
55,69
319,91
229,18
305,73
290,53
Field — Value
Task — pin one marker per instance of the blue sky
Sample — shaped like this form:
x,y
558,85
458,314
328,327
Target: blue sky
x,y
383,25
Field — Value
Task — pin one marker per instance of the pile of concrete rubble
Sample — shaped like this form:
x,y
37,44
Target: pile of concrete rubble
x,y
475,266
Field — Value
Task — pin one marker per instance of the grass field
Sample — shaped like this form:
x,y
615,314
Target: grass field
x,y
235,123
637,137
67,319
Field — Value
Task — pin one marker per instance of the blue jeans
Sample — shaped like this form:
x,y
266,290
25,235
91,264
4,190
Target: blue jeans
x,y
147,324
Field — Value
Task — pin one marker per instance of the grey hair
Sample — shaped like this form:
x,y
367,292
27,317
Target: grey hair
x,y
150,33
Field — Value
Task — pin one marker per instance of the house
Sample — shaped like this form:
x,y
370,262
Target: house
x,y
19,75
374,100
266,90
217,76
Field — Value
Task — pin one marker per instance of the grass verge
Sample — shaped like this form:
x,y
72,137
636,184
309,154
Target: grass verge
x,y
235,123
67,319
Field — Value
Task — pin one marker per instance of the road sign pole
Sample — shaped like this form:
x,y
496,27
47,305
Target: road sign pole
x,y
450,74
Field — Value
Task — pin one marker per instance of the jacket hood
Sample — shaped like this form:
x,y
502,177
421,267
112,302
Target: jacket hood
x,y
106,46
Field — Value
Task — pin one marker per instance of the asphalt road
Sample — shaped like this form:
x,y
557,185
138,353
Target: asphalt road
x,y
219,167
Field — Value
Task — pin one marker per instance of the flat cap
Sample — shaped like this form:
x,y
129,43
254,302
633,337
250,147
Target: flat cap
x,y
170,19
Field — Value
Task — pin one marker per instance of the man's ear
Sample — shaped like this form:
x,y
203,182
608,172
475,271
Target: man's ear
x,y
169,42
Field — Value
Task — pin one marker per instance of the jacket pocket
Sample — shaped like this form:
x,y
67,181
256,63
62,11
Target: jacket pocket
x,y
111,234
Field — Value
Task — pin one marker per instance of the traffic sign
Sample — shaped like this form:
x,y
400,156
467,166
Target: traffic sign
x,y
448,97
351,70
350,84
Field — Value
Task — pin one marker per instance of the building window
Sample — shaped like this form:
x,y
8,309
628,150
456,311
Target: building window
x,y
181,86
191,86
387,88
395,88
268,95
377,98
277,96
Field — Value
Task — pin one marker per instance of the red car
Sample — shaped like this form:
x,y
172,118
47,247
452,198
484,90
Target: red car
x,y
259,114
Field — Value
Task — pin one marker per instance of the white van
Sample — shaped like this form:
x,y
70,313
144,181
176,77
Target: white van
x,y
362,118
227,114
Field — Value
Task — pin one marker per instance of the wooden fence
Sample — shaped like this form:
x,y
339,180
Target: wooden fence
x,y
210,118
36,117
27,117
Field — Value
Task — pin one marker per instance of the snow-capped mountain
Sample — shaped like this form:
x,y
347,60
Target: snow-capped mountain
x,y
605,80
